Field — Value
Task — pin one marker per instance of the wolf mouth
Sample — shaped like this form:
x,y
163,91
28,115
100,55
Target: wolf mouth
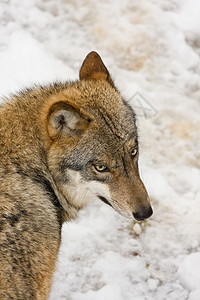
x,y
104,200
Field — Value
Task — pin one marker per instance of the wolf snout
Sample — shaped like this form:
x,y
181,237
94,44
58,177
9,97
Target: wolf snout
x,y
143,214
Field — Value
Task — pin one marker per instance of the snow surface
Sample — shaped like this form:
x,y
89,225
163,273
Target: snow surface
x,y
152,49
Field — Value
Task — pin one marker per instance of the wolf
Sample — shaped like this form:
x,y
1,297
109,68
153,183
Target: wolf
x,y
61,145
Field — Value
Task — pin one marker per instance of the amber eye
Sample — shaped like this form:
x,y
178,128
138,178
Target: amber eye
x,y
100,168
133,152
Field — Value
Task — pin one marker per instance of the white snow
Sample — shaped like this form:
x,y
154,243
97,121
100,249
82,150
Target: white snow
x,y
189,271
151,47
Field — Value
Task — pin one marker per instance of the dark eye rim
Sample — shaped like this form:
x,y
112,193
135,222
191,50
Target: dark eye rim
x,y
100,165
133,155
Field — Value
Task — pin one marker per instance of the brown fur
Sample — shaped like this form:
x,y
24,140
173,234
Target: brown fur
x,y
44,132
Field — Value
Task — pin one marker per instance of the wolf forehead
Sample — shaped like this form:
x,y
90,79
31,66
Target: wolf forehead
x,y
113,124
103,104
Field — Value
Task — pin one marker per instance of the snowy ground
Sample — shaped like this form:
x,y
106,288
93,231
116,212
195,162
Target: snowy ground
x,y
151,47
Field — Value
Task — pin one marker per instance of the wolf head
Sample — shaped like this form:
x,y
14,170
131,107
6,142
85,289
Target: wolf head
x,y
93,145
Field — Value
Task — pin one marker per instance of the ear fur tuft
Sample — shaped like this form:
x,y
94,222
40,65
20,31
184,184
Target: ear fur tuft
x,y
64,119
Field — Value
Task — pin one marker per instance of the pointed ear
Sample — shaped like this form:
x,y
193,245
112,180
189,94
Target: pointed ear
x,y
93,68
64,119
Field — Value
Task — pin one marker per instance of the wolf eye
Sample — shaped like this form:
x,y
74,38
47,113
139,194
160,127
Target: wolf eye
x,y
100,168
133,152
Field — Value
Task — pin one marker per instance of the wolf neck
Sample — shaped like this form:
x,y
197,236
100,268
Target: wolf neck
x,y
68,211
21,151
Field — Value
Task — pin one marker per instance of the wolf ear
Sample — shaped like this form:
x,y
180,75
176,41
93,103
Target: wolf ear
x,y
93,68
64,119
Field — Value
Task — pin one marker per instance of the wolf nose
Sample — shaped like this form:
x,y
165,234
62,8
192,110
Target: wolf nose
x,y
143,214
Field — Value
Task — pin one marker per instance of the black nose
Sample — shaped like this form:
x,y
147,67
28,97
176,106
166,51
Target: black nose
x,y
145,213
